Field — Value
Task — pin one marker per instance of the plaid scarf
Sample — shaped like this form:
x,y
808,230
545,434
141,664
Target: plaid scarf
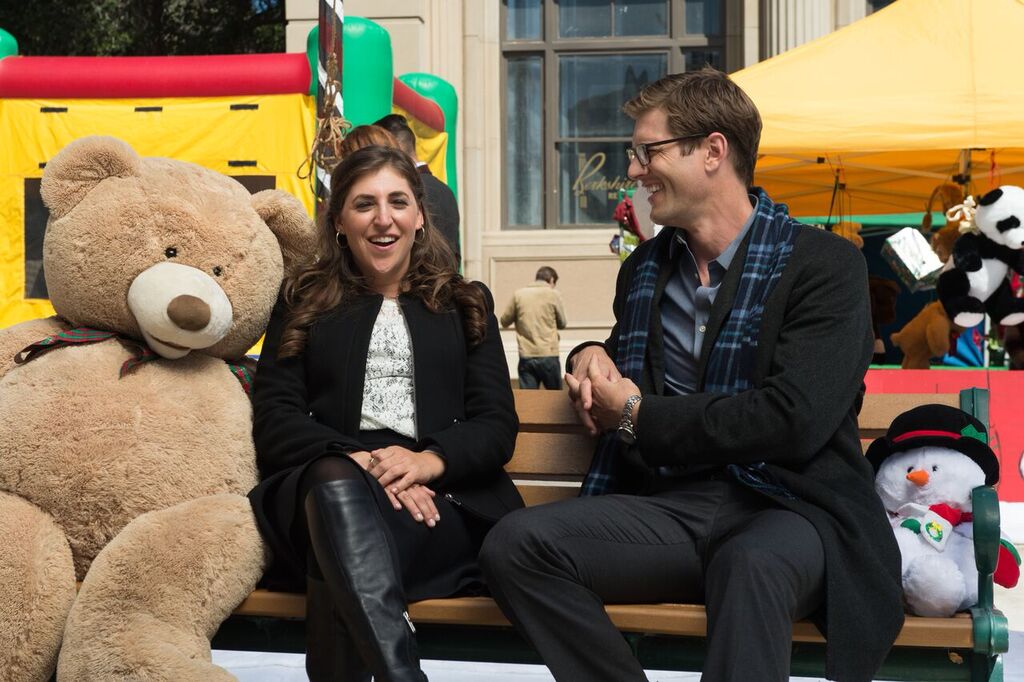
x,y
141,353
732,359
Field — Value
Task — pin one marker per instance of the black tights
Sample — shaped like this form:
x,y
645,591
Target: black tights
x,y
433,562
324,470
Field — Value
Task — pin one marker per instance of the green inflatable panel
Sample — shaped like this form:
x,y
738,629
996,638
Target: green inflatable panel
x,y
443,94
8,45
366,69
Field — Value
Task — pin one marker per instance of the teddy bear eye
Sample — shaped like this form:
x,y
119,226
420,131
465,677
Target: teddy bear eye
x,y
909,469
217,270
171,252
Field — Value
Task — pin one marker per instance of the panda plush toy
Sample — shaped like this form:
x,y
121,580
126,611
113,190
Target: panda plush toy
x,y
975,280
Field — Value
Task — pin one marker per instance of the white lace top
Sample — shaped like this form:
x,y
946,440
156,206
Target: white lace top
x,y
388,391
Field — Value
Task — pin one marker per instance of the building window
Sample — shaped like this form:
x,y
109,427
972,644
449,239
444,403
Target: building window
x,y
568,66
875,5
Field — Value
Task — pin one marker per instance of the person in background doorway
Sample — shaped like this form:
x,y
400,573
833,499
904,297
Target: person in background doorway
x,y
441,202
538,314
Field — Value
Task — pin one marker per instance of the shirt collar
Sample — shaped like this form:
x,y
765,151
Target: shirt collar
x,y
724,259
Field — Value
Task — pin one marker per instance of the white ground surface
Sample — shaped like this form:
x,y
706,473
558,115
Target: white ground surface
x,y
263,667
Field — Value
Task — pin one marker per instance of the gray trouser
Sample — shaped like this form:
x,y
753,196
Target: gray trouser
x,y
756,566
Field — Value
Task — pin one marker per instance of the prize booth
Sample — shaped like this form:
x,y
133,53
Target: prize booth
x,y
910,110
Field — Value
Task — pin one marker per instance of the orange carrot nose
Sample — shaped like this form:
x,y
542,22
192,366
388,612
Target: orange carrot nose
x,y
919,477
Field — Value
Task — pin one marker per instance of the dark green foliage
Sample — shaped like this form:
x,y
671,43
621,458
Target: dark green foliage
x,y
144,27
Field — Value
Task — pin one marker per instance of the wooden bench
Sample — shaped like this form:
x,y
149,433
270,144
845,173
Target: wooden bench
x,y
551,457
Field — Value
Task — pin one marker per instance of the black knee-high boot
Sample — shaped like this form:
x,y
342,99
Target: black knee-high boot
x,y
331,654
352,548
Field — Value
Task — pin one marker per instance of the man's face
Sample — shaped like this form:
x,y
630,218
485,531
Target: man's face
x,y
673,179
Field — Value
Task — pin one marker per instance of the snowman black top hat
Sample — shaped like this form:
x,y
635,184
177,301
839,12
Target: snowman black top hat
x,y
940,426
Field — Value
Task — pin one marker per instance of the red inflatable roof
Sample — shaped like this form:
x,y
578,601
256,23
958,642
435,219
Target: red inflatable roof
x,y
419,107
129,77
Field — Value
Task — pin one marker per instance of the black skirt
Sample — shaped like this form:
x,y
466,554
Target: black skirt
x,y
435,562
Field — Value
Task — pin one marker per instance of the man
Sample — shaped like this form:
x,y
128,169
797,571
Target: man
x,y
441,203
729,389
538,314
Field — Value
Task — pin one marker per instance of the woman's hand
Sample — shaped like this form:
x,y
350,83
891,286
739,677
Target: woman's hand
x,y
399,468
362,458
416,498
419,500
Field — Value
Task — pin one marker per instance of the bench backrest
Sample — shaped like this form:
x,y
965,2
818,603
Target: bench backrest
x,y
553,451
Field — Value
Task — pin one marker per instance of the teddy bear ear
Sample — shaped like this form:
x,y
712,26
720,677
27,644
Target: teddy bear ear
x,y
80,166
287,219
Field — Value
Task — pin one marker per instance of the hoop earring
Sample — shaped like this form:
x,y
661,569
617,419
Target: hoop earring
x,y
341,239
419,235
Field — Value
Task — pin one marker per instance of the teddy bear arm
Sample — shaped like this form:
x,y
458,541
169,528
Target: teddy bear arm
x,y
937,335
161,588
16,338
967,253
37,588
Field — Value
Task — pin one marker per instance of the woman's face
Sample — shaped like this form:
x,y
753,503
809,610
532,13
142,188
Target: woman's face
x,y
380,219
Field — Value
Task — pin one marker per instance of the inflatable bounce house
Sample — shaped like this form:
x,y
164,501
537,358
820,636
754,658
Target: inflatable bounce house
x,y
250,116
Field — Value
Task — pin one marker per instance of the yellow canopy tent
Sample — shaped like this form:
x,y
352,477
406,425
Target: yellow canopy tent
x,y
921,92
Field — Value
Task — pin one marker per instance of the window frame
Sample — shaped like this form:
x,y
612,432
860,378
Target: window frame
x,y
550,47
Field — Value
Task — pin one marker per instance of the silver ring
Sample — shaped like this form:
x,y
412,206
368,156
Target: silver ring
x,y
373,462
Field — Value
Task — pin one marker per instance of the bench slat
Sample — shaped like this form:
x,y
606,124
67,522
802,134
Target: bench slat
x,y
539,409
551,453
880,409
688,620
542,494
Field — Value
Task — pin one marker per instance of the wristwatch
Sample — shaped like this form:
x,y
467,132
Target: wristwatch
x,y
627,432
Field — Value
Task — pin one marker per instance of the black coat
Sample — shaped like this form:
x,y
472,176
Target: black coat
x,y
443,209
309,405
814,348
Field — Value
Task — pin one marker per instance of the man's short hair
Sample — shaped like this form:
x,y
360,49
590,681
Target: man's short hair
x,y
702,102
399,127
547,274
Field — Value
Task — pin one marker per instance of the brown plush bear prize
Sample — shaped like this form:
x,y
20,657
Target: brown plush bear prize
x,y
125,446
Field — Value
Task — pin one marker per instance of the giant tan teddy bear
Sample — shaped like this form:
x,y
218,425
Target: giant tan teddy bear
x,y
125,447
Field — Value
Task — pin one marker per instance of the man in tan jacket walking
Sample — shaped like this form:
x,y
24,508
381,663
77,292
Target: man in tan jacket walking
x,y
538,314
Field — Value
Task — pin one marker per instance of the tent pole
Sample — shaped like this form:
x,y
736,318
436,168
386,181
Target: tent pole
x,y
963,175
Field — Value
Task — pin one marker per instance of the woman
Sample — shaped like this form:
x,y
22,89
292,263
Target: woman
x,y
383,416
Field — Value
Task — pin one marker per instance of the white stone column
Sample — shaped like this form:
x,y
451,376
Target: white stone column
x,y
788,23
849,11
300,17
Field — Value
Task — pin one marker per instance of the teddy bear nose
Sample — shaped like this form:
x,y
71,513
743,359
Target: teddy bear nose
x,y
919,477
188,312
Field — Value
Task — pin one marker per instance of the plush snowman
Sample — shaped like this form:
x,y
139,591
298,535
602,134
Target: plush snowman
x,y
926,466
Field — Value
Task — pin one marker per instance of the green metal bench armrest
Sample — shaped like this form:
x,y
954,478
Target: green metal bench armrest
x,y
991,630
985,507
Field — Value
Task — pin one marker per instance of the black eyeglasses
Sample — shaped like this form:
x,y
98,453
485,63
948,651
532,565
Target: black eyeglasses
x,y
641,152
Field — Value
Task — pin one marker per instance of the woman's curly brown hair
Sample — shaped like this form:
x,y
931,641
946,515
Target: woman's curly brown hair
x,y
334,279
